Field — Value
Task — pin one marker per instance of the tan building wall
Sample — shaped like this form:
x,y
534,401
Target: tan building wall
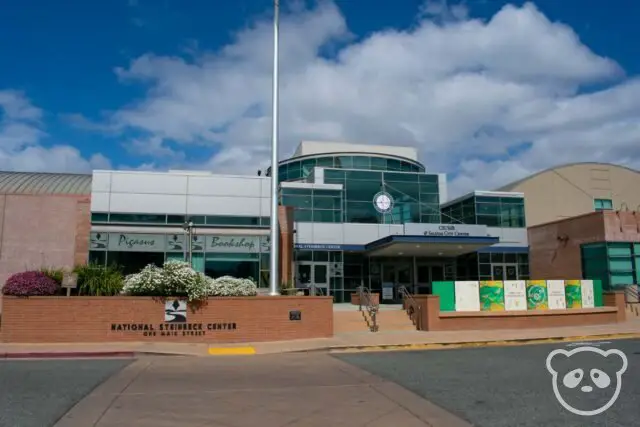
x,y
568,191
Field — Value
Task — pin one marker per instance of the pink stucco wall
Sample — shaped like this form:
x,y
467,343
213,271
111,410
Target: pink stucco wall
x,y
42,231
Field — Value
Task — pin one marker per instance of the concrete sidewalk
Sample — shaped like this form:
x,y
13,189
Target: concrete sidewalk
x,y
310,390
342,342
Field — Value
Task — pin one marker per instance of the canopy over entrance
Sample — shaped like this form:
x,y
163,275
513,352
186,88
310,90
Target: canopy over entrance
x,y
428,246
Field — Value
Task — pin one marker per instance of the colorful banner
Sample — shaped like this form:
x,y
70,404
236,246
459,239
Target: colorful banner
x,y
588,300
555,289
537,295
573,293
492,295
467,296
515,295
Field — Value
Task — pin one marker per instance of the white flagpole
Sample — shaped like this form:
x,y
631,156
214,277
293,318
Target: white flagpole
x,y
275,231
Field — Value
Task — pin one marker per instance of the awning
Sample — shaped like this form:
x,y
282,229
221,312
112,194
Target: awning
x,y
431,246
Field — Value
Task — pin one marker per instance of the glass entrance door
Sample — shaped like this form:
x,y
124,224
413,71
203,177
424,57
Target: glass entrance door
x,y
399,274
313,274
426,274
504,271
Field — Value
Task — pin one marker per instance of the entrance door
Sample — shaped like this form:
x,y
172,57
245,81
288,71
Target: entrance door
x,y
313,275
504,271
426,275
399,274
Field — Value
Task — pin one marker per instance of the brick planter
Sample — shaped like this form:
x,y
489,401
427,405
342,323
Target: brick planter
x,y
115,319
355,298
432,319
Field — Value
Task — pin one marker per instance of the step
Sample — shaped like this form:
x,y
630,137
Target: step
x,y
349,321
394,320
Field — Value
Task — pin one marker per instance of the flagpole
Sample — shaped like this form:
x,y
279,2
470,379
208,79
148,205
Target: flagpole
x,y
275,231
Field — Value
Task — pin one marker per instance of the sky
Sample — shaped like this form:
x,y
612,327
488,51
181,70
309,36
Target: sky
x,y
488,91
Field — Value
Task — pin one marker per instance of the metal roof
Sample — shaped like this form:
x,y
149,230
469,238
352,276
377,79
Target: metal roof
x,y
514,184
44,183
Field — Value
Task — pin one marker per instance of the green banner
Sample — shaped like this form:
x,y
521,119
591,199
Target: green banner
x,y
491,296
537,297
573,293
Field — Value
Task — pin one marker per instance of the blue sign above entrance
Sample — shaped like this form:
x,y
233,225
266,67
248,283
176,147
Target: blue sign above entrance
x,y
327,247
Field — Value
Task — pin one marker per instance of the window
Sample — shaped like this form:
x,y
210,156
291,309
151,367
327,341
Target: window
x,y
602,204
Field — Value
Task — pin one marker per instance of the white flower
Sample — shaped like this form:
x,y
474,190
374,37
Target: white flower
x,y
177,278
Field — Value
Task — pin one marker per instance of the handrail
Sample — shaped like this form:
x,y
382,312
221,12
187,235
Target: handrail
x,y
366,300
410,302
631,293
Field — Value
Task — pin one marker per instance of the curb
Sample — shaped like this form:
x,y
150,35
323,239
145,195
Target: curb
x,y
471,344
68,354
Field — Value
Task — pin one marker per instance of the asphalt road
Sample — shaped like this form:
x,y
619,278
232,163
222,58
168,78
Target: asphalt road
x,y
36,393
511,386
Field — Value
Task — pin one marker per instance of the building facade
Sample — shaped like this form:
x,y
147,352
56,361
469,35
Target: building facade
x,y
602,245
351,215
577,189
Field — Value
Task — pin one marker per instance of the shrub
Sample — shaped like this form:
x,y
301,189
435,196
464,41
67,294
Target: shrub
x,y
227,286
56,274
149,282
98,280
177,278
30,283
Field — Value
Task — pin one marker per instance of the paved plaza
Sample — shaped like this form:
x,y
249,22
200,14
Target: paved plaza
x,y
492,386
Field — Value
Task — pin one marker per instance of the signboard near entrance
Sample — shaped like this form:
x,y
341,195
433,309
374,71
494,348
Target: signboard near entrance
x,y
387,291
467,296
445,230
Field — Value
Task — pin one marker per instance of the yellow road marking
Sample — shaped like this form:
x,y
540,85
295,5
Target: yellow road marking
x,y
231,351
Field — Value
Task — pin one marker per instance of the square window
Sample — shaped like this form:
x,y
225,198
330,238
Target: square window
x,y
602,204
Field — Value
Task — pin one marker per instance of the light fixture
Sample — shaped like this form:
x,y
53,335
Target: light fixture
x,y
418,246
459,247
400,253
440,253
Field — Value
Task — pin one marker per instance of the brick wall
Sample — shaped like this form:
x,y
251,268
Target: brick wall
x,y
622,226
90,319
42,230
554,248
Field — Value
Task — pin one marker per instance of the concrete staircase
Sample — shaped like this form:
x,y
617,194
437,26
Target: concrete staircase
x,y
394,320
633,311
349,319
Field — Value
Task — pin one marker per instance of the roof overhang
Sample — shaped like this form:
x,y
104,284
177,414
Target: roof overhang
x,y
428,246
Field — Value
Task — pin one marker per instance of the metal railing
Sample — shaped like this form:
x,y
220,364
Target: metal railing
x,y
414,310
366,301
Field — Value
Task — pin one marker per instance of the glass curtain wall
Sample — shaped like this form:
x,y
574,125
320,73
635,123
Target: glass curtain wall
x,y
416,197
616,264
505,212
296,170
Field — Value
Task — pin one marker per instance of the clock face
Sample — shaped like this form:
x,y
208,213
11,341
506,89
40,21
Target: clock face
x,y
383,202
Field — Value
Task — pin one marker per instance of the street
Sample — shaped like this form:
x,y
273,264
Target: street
x,y
492,386
501,386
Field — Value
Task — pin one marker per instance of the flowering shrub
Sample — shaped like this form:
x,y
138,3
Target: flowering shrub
x,y
227,286
149,282
177,278
30,283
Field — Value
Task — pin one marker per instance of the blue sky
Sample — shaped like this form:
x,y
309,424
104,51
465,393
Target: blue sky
x,y
153,84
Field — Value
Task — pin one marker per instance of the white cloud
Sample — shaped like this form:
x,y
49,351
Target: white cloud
x,y
21,131
464,91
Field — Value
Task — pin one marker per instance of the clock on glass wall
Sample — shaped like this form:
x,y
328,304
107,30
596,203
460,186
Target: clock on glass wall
x,y
383,202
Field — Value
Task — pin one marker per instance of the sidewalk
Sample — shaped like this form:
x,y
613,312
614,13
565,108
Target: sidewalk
x,y
357,341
